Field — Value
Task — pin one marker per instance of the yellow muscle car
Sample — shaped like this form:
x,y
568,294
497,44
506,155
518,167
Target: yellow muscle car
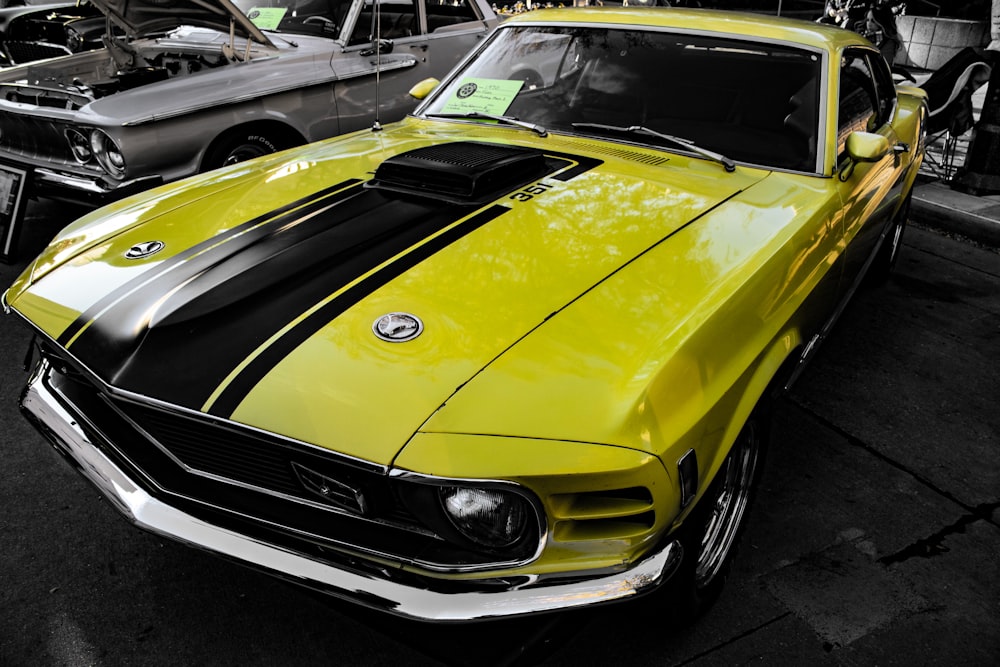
x,y
512,354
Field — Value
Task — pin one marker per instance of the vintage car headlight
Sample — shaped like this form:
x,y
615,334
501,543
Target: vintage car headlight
x,y
492,518
107,153
79,145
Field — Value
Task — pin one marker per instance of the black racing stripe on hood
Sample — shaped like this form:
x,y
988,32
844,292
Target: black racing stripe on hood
x,y
180,259
261,365
178,338
182,331
583,164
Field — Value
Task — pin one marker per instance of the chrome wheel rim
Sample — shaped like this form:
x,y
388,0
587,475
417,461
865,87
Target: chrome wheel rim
x,y
897,236
728,506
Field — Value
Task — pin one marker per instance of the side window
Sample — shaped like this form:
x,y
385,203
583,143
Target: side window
x,y
444,13
398,20
858,105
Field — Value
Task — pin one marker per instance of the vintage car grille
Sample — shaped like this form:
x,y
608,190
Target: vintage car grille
x,y
26,52
260,462
34,138
260,484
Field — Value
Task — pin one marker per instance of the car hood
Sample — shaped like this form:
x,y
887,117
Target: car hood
x,y
140,18
251,293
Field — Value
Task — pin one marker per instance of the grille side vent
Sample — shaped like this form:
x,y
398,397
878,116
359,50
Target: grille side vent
x,y
460,172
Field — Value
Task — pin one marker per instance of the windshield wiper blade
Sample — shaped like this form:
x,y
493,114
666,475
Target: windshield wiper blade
x,y
726,162
509,120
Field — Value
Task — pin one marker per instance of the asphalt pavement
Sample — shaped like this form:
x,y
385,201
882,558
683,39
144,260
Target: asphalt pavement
x,y
875,539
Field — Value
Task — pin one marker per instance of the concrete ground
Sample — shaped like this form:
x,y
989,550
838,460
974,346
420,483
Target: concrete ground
x,y
875,538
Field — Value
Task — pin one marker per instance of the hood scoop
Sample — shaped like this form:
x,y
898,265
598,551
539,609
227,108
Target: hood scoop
x,y
463,172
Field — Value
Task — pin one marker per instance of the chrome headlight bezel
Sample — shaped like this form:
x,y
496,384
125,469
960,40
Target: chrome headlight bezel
x,y
79,145
107,153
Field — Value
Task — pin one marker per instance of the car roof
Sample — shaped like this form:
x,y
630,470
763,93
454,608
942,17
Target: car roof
x,y
756,26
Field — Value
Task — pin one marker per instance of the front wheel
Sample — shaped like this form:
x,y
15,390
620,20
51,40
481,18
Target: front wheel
x,y
239,148
888,253
712,533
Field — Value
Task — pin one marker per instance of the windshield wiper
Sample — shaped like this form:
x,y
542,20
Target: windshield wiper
x,y
680,141
509,120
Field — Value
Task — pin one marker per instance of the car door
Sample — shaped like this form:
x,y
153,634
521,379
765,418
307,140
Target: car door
x,y
869,190
417,42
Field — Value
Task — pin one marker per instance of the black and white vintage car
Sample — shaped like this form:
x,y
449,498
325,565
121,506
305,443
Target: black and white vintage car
x,y
39,29
184,86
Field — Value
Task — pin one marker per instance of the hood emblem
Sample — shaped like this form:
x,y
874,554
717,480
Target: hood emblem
x,y
398,327
145,249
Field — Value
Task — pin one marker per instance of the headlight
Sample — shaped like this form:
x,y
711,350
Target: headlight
x,y
107,153
79,145
492,518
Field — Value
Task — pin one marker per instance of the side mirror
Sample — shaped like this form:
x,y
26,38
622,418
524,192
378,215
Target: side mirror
x,y
863,147
867,147
424,88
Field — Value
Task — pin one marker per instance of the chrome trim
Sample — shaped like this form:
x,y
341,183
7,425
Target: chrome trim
x,y
92,186
532,594
687,474
383,330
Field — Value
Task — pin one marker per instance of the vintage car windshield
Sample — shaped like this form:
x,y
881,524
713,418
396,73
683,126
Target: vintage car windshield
x,y
750,102
310,17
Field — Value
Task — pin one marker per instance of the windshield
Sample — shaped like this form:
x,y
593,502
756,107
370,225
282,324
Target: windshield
x,y
755,103
308,17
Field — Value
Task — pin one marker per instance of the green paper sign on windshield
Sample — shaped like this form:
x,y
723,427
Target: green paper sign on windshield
x,y
491,96
267,18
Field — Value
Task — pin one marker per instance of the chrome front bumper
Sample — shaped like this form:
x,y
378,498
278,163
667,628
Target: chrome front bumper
x,y
85,190
55,420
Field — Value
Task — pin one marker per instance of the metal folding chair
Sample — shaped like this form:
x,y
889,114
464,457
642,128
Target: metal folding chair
x,y
949,96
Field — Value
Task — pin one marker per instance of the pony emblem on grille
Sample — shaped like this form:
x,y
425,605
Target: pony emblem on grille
x,y
331,490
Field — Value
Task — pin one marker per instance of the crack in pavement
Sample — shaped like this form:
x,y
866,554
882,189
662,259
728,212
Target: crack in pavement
x,y
933,545
733,640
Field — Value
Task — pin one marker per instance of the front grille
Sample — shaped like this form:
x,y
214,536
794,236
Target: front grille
x,y
34,138
26,52
260,484
256,460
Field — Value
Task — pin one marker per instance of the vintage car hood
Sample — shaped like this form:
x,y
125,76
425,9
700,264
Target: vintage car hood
x,y
139,18
260,305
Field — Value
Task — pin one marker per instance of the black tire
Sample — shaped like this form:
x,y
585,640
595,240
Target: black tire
x,y
888,253
240,148
711,535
